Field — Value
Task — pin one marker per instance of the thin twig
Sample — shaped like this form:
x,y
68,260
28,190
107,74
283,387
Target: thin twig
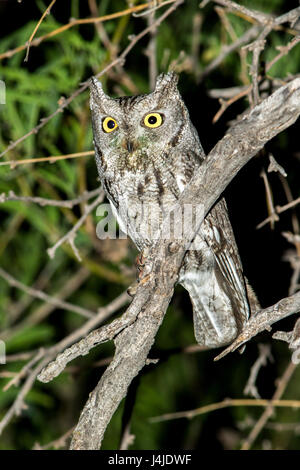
x,y
42,311
119,60
18,405
57,443
281,386
264,355
226,103
52,159
295,221
88,342
100,27
250,34
263,320
274,166
70,203
258,46
283,51
72,23
269,196
291,204
102,314
279,209
45,297
70,236
16,308
189,414
24,371
46,12
258,16
151,52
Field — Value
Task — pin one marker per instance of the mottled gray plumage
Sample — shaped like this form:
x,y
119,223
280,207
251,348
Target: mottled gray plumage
x,y
142,164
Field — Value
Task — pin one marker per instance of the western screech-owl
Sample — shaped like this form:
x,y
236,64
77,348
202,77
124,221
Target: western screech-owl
x,y
147,150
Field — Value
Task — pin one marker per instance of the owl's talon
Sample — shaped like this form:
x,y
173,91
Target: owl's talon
x,y
140,261
132,289
145,279
141,280
140,264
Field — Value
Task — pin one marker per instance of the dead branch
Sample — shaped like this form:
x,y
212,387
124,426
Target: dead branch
x,y
259,425
69,203
46,12
263,357
228,402
250,34
45,297
293,340
263,320
278,210
258,16
44,309
80,21
70,236
52,159
283,51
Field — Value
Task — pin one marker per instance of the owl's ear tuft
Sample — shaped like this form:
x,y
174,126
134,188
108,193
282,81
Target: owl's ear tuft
x,y
97,93
166,81
96,87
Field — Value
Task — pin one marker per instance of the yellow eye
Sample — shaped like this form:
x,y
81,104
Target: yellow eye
x,y
109,124
153,120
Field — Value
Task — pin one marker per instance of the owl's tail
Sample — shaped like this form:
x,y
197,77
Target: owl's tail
x,y
218,312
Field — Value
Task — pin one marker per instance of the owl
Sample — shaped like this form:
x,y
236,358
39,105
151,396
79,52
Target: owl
x,y
147,150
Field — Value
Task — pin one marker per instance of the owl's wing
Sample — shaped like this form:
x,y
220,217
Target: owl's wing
x,y
218,234
212,275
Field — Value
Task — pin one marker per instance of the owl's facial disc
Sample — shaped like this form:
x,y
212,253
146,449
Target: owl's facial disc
x,y
132,135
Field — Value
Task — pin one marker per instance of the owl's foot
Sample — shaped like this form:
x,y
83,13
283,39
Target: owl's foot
x,y
132,289
142,276
140,264
140,261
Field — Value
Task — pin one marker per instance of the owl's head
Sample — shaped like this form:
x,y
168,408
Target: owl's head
x,y
130,130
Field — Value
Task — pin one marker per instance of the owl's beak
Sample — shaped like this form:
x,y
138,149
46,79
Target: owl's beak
x,y
129,145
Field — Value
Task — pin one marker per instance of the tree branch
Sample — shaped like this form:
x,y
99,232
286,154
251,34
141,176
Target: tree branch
x,y
69,203
263,320
39,294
